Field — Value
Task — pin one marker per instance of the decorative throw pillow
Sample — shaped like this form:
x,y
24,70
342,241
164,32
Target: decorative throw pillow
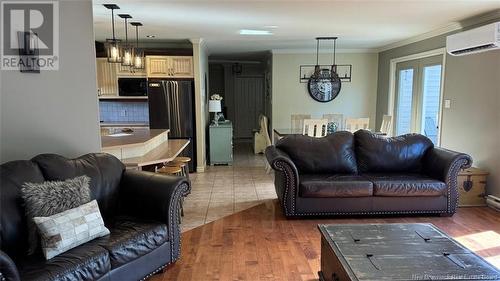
x,y
52,197
70,228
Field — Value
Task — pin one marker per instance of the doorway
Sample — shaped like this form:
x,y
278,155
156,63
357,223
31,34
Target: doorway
x,y
417,96
248,105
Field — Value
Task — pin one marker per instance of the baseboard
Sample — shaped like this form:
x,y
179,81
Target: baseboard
x,y
493,202
200,169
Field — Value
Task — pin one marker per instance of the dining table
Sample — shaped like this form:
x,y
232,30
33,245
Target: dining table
x,y
280,133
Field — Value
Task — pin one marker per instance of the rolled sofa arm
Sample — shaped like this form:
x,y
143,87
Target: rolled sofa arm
x,y
286,180
155,196
8,269
444,165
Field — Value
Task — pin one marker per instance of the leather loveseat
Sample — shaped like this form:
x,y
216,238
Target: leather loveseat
x,y
364,173
139,208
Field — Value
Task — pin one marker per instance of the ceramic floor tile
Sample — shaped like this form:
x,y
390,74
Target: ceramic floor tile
x,y
223,190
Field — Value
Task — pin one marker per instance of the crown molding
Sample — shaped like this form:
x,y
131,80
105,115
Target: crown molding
x,y
443,30
313,51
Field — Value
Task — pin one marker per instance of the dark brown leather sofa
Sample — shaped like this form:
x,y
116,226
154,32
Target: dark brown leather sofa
x,y
139,208
363,174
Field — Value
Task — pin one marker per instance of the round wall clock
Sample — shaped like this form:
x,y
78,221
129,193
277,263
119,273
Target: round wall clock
x,y
324,87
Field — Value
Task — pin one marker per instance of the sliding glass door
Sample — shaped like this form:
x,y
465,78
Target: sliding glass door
x,y
418,97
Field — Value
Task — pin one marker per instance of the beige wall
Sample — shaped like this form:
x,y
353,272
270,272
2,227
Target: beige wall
x,y
472,124
471,82
54,111
289,96
200,58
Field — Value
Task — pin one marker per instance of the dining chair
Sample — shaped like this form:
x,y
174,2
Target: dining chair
x,y
354,124
297,121
315,127
335,118
386,127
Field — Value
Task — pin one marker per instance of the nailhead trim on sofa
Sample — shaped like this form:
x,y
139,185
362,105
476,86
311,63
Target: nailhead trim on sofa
x,y
451,182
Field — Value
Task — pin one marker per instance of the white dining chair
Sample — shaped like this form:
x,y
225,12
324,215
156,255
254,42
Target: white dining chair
x,y
335,118
354,124
297,121
386,127
315,127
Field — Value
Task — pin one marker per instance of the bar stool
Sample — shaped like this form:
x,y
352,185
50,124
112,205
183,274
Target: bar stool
x,y
168,170
183,166
185,161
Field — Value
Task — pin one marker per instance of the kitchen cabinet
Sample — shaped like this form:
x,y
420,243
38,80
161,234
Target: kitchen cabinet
x,y
169,66
107,79
124,71
221,143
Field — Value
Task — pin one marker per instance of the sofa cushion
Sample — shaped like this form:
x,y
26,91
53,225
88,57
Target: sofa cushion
x,y
405,185
105,172
331,154
377,153
338,185
132,238
85,262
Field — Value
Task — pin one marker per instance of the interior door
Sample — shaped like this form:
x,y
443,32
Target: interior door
x,y
418,97
249,103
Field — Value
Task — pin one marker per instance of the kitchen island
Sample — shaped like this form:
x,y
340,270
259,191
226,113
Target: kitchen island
x,y
143,147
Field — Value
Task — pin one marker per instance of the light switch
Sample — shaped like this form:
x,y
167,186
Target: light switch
x,y
447,103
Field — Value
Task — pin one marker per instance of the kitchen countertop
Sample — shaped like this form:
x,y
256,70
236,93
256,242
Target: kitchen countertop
x,y
124,124
138,137
163,153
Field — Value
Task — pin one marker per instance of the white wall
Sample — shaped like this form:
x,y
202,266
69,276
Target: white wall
x,y
472,124
200,59
54,111
356,99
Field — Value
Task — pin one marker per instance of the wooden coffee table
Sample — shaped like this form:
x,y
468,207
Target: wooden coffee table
x,y
414,251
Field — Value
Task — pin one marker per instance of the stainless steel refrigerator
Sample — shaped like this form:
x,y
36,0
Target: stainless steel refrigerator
x,y
171,106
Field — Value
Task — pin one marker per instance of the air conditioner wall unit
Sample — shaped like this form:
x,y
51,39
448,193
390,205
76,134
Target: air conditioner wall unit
x,y
473,41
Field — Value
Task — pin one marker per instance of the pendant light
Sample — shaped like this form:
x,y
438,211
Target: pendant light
x,y
139,53
113,48
128,49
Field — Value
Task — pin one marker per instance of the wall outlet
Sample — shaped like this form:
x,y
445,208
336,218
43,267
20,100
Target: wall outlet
x,y
447,103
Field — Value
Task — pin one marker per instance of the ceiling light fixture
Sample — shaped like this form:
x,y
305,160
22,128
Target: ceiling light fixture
x,y
138,62
150,36
127,49
113,49
255,32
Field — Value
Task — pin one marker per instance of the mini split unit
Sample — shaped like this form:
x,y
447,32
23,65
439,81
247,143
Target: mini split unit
x,y
473,41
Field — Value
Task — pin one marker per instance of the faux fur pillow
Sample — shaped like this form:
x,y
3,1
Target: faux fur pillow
x,y
50,198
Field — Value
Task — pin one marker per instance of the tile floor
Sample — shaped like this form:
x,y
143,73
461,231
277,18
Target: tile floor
x,y
223,190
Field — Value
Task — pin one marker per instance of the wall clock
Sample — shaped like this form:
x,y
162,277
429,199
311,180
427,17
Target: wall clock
x,y
324,86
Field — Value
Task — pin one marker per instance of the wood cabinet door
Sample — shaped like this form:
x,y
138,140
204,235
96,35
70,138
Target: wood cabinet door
x,y
158,66
124,71
181,66
107,82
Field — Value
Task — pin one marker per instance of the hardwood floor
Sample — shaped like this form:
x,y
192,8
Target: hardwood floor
x,y
261,244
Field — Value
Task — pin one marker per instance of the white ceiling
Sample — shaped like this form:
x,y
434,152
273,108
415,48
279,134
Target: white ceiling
x,y
367,25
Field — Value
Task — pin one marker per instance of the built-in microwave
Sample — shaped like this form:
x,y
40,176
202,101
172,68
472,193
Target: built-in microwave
x,y
130,87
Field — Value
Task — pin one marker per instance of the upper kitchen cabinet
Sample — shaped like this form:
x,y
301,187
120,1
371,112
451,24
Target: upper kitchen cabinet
x,y
107,82
169,66
182,66
124,71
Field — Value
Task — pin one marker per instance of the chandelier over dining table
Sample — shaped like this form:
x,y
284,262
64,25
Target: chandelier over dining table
x,y
124,52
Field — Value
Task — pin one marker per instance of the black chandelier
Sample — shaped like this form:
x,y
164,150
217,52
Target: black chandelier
x,y
124,52
113,48
334,70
